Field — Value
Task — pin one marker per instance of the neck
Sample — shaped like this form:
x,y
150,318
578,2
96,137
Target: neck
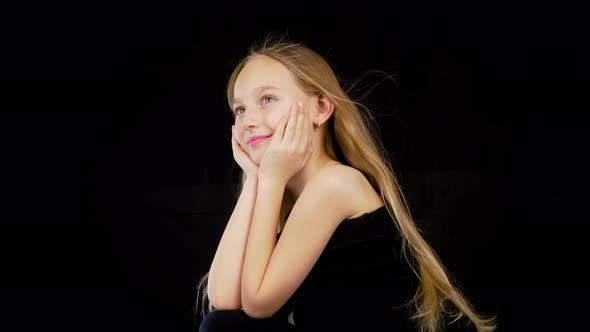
x,y
318,160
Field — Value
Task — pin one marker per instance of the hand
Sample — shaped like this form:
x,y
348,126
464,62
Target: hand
x,y
241,157
290,147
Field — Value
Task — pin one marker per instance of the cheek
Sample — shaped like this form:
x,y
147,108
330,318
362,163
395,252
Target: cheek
x,y
277,116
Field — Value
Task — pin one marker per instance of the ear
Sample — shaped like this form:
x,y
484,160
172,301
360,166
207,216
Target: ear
x,y
325,109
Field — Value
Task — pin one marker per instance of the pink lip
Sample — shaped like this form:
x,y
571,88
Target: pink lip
x,y
256,140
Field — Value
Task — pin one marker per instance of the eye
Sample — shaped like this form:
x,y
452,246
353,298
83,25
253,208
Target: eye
x,y
238,111
268,99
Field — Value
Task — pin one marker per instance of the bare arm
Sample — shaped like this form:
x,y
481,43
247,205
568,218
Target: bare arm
x,y
327,199
224,289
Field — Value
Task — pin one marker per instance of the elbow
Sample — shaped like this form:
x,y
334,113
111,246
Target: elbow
x,y
225,306
257,310
257,313
224,302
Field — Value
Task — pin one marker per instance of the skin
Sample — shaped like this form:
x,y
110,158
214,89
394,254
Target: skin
x,y
293,159
290,159
259,112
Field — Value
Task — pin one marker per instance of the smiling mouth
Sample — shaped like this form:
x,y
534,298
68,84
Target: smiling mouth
x,y
257,141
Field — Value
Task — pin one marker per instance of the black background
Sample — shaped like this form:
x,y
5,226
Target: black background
x,y
119,176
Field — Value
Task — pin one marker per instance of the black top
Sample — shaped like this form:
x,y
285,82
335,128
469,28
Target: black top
x,y
361,282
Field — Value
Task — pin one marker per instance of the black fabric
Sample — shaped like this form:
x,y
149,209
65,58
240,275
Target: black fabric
x,y
238,321
361,282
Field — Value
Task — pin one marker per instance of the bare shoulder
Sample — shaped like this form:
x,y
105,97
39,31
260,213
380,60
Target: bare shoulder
x,y
353,185
331,195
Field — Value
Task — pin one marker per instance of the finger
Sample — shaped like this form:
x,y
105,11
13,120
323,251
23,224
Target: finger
x,y
299,130
291,126
306,130
280,130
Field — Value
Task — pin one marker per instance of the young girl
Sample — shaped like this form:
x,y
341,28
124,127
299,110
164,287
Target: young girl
x,y
321,230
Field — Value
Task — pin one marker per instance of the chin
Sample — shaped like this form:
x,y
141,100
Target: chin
x,y
256,157
257,161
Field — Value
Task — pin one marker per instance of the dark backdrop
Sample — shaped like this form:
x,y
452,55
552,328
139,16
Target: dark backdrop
x,y
120,178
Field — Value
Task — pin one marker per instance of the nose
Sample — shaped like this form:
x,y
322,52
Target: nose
x,y
251,118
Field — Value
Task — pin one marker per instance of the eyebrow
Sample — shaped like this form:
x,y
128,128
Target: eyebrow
x,y
257,90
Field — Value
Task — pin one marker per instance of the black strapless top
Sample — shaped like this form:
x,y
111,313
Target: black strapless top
x,y
361,282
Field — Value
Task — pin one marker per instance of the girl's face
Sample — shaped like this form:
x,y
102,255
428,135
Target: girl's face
x,y
263,93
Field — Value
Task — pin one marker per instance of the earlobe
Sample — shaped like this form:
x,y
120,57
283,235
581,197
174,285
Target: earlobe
x,y
318,124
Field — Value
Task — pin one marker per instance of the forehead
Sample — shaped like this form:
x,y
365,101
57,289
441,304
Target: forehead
x,y
262,71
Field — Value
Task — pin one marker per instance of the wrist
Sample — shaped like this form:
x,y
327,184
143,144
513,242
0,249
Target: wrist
x,y
267,180
251,178
251,173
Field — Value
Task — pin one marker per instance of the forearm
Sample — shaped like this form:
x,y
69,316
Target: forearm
x,y
261,239
224,284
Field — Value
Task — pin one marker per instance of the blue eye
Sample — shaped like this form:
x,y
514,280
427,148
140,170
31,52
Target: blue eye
x,y
269,98
265,100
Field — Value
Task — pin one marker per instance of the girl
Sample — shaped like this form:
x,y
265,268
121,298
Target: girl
x,y
321,229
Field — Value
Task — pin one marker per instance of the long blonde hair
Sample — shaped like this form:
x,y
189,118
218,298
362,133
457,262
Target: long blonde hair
x,y
366,153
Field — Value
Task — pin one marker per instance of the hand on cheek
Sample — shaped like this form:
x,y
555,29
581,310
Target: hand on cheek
x,y
290,147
